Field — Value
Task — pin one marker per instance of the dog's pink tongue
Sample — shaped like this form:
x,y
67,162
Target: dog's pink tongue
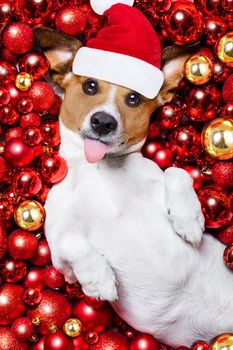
x,y
94,150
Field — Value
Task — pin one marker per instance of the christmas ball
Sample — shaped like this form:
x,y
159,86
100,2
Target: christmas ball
x,y
225,234
215,27
222,174
111,340
198,69
71,20
225,49
35,64
18,37
93,302
22,245
6,10
163,157
92,338
3,242
29,215
227,5
7,73
32,296
22,329
153,131
23,81
202,102
149,149
53,278
228,256
50,133
33,12
196,175
42,96
13,133
39,345
217,138
17,153
216,207
209,7
15,94
227,110
80,343
6,209
31,136
58,341
34,279
13,270
52,311
227,89
220,72
222,342
95,320
11,303
72,327
74,291
8,115
9,340
27,182
4,97
55,109
29,119
200,345
24,105
182,24
43,255
52,167
168,116
144,341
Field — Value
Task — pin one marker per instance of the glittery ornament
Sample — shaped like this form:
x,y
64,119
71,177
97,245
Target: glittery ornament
x,y
111,340
53,278
9,340
71,20
42,96
11,304
22,329
18,37
22,245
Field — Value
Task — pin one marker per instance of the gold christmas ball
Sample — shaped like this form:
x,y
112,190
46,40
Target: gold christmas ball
x,y
222,342
23,81
217,138
198,69
225,49
29,215
72,327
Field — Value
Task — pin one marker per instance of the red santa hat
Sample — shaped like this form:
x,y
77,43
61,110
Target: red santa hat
x,y
125,52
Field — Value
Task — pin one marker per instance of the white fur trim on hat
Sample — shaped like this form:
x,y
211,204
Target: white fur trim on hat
x,y
100,6
119,69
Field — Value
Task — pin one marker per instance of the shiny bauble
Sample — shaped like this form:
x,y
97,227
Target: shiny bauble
x,y
149,149
11,303
34,279
42,96
29,119
80,343
227,5
168,116
31,136
200,345
222,342
196,175
34,63
216,207
15,94
52,167
29,215
9,340
17,153
52,311
43,255
153,131
6,11
50,133
32,296
58,341
225,234
225,49
215,27
71,20
111,340
18,37
22,245
183,24
144,341
227,110
217,138
228,257
13,133
33,12
8,115
12,270
220,72
53,278
39,345
198,69
74,291
6,209
72,327
92,338
4,97
24,105
27,182
163,157
23,329
7,73
23,81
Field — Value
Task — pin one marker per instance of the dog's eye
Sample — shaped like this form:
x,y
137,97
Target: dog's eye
x,y
133,99
90,87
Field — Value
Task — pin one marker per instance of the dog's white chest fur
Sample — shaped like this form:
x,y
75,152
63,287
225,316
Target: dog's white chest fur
x,y
110,222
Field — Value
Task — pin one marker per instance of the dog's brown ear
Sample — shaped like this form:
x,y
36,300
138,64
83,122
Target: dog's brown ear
x,y
173,64
60,50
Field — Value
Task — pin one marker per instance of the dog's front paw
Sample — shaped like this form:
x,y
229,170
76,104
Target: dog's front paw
x,y
191,231
103,291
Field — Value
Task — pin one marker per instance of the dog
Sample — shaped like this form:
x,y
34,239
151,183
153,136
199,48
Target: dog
x,y
129,232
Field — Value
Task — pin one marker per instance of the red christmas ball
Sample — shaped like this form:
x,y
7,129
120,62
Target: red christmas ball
x,y
52,311
53,278
15,94
27,182
32,296
13,270
6,11
149,149
111,340
227,5
11,303
6,209
216,207
196,175
163,157
71,20
22,245
30,119
58,341
39,345
74,291
33,12
144,341
94,303
215,27
3,242
182,24
34,279
162,5
225,235
17,153
18,38
168,116
203,102
228,256
22,329
34,63
7,73
53,168
95,320
24,105
200,345
92,338
227,110
43,255
42,96
222,173
4,97
43,193
9,340
31,136
153,131
12,133
80,343
185,143
50,133
3,168
220,72
227,89
8,115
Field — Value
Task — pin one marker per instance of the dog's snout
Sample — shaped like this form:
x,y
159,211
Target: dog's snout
x,y
103,123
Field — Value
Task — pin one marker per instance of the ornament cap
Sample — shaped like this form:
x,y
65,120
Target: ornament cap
x,y
100,6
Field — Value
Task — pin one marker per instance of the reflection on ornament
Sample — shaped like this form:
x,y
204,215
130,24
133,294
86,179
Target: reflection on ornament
x,y
23,81
225,49
198,69
30,215
222,342
72,327
217,138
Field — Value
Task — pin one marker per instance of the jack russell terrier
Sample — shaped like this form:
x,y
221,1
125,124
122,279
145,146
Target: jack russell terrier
x,y
129,232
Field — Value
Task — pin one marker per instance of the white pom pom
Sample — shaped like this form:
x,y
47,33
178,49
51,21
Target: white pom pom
x,y
100,6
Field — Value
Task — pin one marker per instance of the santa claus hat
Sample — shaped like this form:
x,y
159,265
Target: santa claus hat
x,y
125,52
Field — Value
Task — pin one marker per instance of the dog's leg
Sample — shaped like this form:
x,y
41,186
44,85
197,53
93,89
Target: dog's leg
x,y
91,268
183,205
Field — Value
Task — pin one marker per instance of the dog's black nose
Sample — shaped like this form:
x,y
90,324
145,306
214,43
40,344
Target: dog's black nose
x,y
103,123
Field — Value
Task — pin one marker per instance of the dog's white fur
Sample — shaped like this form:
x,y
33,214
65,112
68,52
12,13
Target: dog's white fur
x,y
113,225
